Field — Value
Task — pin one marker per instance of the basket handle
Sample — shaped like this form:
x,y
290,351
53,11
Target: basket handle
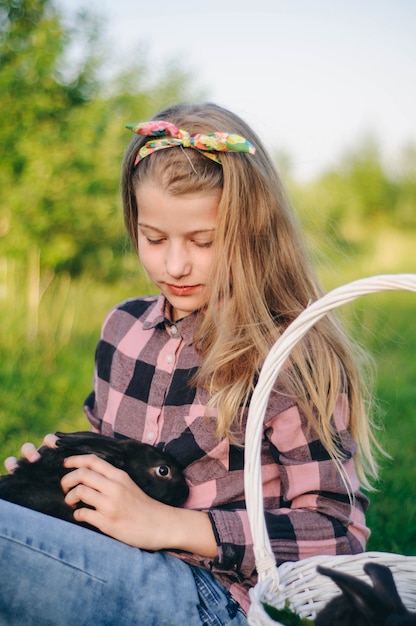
x,y
265,561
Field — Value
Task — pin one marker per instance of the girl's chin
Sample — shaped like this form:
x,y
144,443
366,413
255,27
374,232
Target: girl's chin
x,y
182,307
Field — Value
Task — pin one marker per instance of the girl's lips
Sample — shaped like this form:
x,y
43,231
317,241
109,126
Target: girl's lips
x,y
183,290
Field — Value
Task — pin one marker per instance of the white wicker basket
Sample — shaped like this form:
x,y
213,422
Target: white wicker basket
x,y
298,582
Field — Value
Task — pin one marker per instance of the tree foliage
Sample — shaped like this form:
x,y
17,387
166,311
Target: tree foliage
x,y
361,189
63,136
361,208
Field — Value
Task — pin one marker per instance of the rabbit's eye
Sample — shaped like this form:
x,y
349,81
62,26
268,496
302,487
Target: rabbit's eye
x,y
163,471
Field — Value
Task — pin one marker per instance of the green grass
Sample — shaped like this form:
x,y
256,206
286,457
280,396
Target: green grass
x,y
391,337
45,378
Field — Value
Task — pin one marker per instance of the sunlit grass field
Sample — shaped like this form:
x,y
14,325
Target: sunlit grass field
x,y
387,325
46,372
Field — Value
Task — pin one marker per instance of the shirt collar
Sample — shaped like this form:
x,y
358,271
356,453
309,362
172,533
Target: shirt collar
x,y
158,315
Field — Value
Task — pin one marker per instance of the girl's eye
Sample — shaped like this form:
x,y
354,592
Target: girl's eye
x,y
153,242
199,244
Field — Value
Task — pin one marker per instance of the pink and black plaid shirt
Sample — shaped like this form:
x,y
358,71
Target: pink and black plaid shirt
x,y
143,366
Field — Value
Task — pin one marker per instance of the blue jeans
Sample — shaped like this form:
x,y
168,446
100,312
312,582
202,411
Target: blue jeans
x,y
59,574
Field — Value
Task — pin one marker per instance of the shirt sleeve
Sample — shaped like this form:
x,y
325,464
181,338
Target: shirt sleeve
x,y
90,410
308,509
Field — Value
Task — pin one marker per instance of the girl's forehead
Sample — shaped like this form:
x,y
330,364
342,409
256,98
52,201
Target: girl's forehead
x,y
154,191
158,206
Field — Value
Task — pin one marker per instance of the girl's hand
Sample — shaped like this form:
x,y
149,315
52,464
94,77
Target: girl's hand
x,y
120,508
29,452
123,511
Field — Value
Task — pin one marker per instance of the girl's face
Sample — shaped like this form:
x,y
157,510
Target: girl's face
x,y
175,237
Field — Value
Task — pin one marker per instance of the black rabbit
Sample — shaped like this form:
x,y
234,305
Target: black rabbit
x,y
37,485
361,604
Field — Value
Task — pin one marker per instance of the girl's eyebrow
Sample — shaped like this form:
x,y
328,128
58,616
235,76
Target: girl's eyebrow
x,y
193,232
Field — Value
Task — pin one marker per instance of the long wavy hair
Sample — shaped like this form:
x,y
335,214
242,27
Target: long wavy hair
x,y
261,279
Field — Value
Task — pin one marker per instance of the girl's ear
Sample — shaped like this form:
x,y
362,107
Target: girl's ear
x,y
366,600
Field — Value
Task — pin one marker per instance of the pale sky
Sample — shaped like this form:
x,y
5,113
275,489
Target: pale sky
x,y
311,76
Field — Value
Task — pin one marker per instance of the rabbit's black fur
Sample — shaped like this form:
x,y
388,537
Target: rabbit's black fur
x,y
361,604
37,485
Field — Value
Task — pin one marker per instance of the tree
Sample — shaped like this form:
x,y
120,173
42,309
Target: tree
x,y
63,136
35,106
406,180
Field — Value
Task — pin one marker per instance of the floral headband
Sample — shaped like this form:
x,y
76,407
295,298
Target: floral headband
x,y
167,135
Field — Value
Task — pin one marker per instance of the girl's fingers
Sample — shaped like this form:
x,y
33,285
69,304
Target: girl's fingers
x,y
10,464
93,462
30,452
89,470
50,440
104,488
87,495
88,516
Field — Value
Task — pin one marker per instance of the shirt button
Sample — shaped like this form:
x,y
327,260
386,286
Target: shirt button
x,y
169,358
173,330
149,436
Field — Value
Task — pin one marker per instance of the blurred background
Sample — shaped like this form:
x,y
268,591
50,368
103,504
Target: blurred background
x,y
330,87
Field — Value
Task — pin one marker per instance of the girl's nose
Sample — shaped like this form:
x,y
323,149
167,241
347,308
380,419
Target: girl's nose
x,y
177,261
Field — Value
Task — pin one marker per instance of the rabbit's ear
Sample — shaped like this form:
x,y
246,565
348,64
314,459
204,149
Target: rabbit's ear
x,y
85,439
385,587
91,443
361,595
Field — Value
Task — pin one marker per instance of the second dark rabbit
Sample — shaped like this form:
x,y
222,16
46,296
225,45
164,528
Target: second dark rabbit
x,y
361,604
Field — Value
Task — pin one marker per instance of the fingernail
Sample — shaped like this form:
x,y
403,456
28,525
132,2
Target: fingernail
x,y
50,440
10,463
29,452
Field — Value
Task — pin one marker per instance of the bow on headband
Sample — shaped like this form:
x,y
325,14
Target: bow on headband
x,y
167,135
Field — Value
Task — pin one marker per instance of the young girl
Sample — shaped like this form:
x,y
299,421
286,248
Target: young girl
x,y
206,212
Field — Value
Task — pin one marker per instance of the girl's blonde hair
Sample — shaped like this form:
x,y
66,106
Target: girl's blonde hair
x,y
261,279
